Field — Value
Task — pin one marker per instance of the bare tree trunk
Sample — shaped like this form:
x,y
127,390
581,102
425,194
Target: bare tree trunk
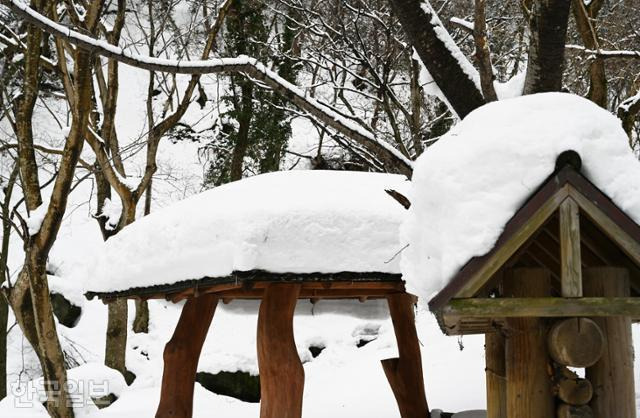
x,y
585,17
48,347
118,312
426,33
417,98
29,298
115,351
242,143
141,321
483,52
548,20
4,320
4,257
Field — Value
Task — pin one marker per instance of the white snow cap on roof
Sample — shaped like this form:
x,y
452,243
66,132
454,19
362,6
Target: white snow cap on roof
x,y
293,221
468,185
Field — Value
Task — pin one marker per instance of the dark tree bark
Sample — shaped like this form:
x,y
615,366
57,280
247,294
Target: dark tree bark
x,y
242,144
4,256
483,52
422,27
548,20
585,17
4,316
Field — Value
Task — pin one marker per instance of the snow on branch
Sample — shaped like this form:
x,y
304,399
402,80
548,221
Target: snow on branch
x,y
627,111
452,72
602,53
392,159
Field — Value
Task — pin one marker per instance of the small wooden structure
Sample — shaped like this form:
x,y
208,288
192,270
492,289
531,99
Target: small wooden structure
x,y
281,372
559,289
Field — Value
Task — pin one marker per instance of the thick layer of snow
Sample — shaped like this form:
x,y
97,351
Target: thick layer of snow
x,y
469,184
294,221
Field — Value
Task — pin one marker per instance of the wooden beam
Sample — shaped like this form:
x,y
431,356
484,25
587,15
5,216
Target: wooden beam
x,y
542,307
281,372
323,290
630,246
404,373
504,250
181,356
570,259
612,376
315,294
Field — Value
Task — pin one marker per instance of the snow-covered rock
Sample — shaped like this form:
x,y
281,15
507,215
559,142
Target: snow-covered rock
x,y
294,221
471,182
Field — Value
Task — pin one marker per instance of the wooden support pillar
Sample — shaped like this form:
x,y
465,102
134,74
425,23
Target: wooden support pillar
x,y
570,256
612,376
404,373
181,355
529,385
494,348
281,372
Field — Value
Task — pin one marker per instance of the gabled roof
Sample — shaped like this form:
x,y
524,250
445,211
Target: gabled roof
x,y
597,209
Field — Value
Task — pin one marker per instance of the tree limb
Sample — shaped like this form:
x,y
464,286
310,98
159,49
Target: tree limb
x,y
393,159
453,73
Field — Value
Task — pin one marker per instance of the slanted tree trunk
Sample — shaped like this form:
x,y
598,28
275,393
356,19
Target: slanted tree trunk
x,y
548,20
435,47
483,52
29,297
585,17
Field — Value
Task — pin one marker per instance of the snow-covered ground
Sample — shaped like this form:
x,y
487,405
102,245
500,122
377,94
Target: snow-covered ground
x,y
343,381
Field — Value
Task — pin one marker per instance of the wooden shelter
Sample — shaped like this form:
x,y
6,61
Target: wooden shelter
x,y
559,289
281,371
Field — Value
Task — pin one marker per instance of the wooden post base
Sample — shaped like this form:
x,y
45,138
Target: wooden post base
x,y
181,355
529,386
494,345
612,376
281,372
405,372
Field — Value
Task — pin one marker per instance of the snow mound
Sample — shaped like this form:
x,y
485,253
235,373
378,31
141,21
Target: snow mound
x,y
293,221
470,183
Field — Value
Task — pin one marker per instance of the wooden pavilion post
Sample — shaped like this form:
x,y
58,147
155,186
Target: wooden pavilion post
x,y
405,372
494,347
181,355
529,386
281,372
612,376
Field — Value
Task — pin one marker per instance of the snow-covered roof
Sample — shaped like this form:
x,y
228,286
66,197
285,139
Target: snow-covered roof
x,y
283,222
468,185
